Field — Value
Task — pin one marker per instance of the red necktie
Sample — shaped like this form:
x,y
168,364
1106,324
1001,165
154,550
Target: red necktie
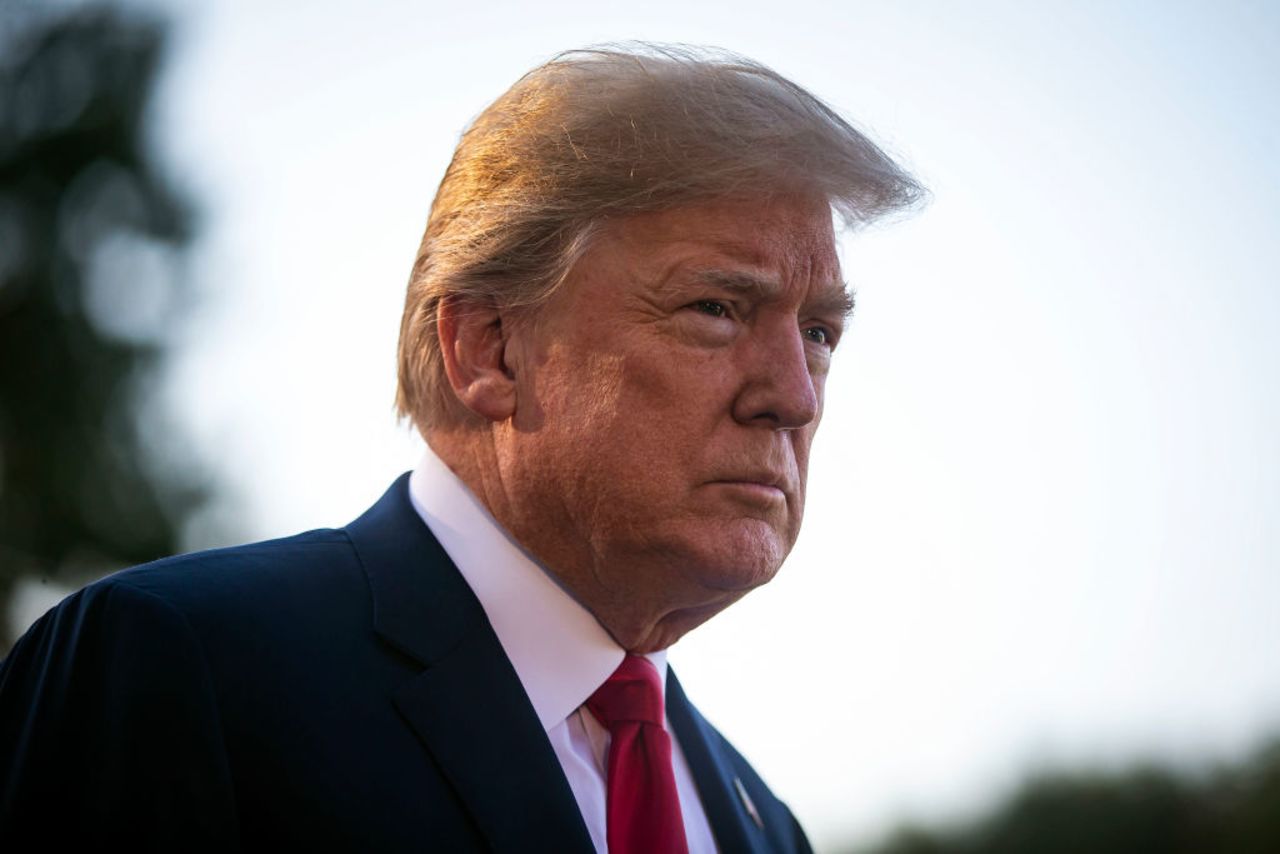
x,y
643,807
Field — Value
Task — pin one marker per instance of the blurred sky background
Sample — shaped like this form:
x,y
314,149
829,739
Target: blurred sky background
x,y
1043,504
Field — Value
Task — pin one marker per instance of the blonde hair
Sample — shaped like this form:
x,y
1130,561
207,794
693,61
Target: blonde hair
x,y
607,132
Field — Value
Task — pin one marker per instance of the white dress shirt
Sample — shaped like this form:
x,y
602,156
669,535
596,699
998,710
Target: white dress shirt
x,y
559,651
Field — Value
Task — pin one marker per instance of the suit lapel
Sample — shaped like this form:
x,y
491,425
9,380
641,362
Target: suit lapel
x,y
467,705
732,826
487,740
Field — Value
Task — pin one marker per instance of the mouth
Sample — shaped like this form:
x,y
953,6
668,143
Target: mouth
x,y
765,488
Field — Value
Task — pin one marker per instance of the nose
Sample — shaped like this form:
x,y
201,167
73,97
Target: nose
x,y
779,389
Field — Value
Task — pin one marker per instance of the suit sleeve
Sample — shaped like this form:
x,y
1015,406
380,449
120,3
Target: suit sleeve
x,y
109,730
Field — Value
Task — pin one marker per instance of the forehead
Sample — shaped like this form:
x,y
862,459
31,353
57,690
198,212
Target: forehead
x,y
788,235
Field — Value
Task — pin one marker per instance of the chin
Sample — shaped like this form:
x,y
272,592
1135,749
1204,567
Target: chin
x,y
741,559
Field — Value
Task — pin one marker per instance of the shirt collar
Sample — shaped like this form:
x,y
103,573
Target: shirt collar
x,y
559,651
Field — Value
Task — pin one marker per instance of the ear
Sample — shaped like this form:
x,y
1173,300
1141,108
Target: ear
x,y
473,343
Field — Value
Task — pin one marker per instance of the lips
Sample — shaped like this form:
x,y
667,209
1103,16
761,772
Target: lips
x,y
763,480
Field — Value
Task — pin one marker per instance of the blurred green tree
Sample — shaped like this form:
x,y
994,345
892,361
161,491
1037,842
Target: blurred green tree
x,y
1234,809
91,243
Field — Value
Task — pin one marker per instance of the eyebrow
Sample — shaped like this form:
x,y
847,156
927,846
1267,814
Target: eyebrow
x,y
836,297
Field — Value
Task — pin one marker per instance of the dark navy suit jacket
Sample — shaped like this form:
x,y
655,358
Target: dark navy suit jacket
x,y
340,690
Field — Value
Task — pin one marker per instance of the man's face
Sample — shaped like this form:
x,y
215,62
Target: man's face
x,y
667,398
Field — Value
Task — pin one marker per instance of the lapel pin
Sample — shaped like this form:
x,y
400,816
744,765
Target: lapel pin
x,y
747,802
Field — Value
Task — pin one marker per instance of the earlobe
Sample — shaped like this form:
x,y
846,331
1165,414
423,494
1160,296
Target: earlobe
x,y
473,344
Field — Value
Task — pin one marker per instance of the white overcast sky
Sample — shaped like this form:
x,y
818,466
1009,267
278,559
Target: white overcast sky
x,y
1043,506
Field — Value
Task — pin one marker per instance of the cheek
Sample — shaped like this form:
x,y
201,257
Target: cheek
x,y
683,384
613,448
581,399
800,448
671,412
601,405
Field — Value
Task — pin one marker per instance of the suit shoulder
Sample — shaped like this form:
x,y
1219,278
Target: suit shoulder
x,y
221,591
282,553
261,568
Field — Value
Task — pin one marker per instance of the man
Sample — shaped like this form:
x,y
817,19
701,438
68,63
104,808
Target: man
x,y
615,342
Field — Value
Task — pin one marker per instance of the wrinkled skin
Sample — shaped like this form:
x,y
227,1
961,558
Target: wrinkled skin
x,y
650,433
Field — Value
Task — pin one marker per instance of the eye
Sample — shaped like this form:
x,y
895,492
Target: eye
x,y
819,335
711,308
